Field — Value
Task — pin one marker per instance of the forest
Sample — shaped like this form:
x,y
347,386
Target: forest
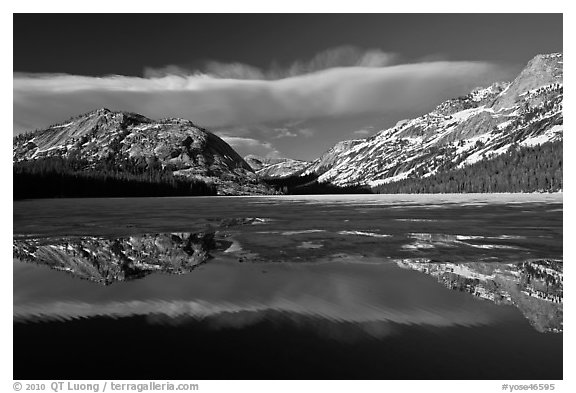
x,y
521,169
57,177
309,185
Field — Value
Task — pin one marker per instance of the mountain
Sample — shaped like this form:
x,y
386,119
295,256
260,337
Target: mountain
x,y
486,123
331,158
257,162
267,168
123,141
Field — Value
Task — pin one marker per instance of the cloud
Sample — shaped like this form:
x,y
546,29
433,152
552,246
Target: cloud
x,y
245,146
284,133
342,56
307,132
231,96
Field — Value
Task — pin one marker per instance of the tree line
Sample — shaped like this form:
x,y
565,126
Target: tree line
x,y
521,169
58,177
309,185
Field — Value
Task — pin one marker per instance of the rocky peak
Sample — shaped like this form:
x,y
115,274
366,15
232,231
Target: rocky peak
x,y
477,97
275,167
177,120
541,71
257,162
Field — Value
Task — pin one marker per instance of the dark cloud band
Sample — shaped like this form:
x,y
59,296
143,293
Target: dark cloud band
x,y
213,102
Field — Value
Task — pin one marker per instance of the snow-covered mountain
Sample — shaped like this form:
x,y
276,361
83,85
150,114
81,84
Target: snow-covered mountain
x,y
267,167
257,162
458,132
184,148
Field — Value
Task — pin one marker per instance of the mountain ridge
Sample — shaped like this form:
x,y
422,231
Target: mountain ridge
x,y
273,167
483,124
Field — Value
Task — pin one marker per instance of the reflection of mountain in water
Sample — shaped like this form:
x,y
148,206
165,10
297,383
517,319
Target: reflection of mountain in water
x,y
535,287
106,260
109,260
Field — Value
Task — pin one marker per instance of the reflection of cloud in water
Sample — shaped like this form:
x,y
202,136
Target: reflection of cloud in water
x,y
335,292
340,331
180,310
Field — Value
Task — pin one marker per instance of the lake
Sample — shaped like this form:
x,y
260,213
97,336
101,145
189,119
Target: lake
x,y
463,286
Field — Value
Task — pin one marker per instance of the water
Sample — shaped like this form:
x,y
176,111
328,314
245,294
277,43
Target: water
x,y
312,287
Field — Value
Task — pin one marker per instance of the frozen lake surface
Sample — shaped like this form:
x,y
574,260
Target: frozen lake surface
x,y
464,286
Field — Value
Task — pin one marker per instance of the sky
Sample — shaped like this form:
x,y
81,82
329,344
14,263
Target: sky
x,y
278,85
